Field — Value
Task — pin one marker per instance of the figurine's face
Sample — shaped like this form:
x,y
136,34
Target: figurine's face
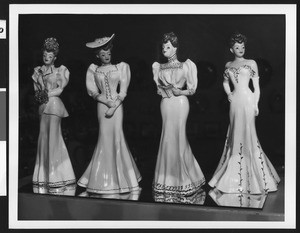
x,y
104,56
48,58
238,49
168,49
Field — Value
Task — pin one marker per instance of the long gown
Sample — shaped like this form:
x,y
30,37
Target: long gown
x,y
53,167
177,172
243,167
112,168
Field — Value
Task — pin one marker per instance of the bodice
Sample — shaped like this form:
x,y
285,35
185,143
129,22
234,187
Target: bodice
x,y
50,79
176,74
240,76
107,80
172,74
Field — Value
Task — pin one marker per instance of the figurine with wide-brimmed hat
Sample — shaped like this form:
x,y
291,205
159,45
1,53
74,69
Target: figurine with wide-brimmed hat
x,y
112,168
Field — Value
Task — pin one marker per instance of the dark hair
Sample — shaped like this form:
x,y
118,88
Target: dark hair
x,y
172,38
237,38
105,47
51,45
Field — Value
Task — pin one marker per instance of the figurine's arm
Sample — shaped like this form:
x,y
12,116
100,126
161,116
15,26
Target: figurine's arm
x,y
62,81
35,77
124,80
155,70
124,83
226,85
255,81
192,80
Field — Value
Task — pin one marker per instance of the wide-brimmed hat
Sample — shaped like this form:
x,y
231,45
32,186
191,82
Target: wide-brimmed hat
x,y
100,42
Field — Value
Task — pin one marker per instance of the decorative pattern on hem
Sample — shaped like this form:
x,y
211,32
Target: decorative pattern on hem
x,y
111,191
186,190
54,184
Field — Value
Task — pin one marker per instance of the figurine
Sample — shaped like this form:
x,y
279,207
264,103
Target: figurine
x,y
177,171
53,167
112,168
244,167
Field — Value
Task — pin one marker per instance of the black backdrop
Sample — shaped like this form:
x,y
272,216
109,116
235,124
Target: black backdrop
x,y
203,39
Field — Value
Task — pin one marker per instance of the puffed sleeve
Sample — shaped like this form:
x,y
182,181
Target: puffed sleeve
x,y
62,76
155,71
35,76
91,86
192,80
124,80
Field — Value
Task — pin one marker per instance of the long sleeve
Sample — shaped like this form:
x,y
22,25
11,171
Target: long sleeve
x,y
226,82
192,80
91,86
255,81
155,70
62,81
35,77
124,80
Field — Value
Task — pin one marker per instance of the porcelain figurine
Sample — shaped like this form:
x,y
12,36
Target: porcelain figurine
x,y
243,167
53,167
112,168
177,172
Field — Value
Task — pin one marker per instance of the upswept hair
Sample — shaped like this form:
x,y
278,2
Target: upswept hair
x,y
51,45
237,38
172,38
105,47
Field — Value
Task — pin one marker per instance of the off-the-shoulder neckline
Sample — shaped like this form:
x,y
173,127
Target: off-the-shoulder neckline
x,y
237,68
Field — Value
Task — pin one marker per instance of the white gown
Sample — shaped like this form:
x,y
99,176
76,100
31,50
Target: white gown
x,y
112,168
53,167
177,172
243,167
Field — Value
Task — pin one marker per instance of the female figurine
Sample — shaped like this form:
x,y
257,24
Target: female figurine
x,y
244,167
112,168
177,171
53,167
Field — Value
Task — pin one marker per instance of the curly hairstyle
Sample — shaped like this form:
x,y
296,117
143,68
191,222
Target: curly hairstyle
x,y
171,36
237,38
51,45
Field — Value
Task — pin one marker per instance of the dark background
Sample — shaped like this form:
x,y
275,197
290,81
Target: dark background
x,y
203,39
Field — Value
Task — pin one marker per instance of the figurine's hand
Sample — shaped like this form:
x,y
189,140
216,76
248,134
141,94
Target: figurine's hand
x,y
229,97
110,104
110,112
176,91
158,92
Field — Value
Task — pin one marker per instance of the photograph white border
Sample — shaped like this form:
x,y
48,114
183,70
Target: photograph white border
x,y
289,10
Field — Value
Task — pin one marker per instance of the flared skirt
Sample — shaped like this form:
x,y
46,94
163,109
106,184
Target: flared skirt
x,y
177,172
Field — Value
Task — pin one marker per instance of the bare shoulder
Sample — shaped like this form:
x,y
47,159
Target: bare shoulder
x,y
251,62
228,64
